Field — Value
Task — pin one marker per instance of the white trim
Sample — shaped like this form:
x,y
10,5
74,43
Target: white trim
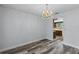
x,y
71,45
59,20
1,50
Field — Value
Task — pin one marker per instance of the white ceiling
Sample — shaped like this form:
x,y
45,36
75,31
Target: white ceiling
x,y
37,8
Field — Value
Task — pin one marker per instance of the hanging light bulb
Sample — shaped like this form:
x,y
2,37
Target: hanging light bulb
x,y
46,12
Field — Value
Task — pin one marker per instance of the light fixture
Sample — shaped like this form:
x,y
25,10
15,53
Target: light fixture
x,y
46,12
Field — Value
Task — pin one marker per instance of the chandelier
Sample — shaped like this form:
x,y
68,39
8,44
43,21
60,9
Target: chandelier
x,y
46,12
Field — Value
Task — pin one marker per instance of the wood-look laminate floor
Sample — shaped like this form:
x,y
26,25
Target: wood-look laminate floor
x,y
44,47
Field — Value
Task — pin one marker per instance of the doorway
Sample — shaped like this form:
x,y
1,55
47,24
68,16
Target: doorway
x,y
58,28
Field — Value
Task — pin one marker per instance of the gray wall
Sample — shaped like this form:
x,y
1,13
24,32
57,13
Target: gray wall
x,y
17,28
49,28
71,27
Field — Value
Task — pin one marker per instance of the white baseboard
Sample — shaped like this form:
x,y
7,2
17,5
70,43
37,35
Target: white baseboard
x,y
71,45
1,50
